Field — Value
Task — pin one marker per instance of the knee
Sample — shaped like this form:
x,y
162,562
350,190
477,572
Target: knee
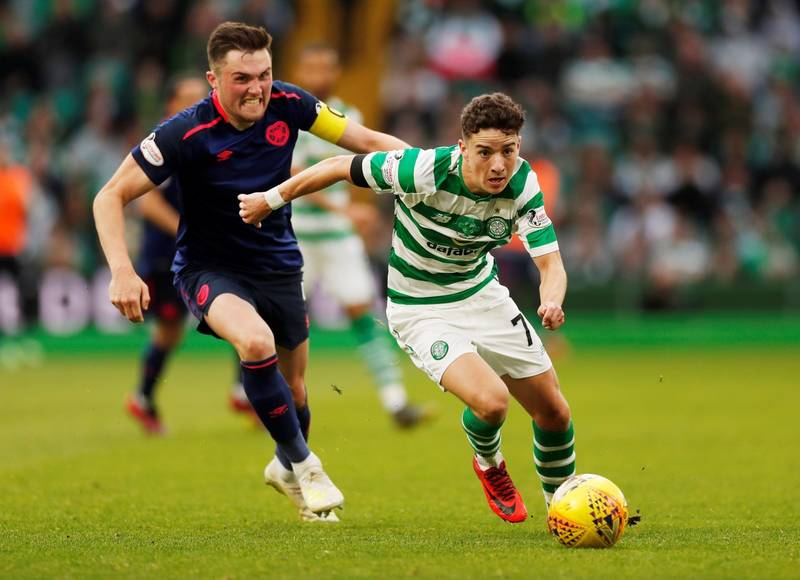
x,y
492,406
555,417
256,346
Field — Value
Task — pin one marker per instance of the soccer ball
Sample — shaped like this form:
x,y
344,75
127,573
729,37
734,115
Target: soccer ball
x,y
587,511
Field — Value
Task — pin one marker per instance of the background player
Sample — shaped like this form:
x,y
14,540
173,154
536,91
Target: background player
x,y
159,208
333,252
242,283
446,305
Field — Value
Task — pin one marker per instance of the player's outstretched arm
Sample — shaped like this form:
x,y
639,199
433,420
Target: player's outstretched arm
x,y
360,139
552,289
254,207
127,292
363,216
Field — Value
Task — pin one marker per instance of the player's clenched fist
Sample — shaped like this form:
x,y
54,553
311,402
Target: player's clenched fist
x,y
551,314
253,208
129,294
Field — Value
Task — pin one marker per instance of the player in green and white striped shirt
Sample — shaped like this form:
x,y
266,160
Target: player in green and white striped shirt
x,y
333,253
446,305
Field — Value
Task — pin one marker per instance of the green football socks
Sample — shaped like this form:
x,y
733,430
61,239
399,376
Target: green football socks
x,y
554,456
376,350
484,438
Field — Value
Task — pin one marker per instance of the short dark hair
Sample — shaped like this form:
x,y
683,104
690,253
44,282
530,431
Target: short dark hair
x,y
494,111
236,36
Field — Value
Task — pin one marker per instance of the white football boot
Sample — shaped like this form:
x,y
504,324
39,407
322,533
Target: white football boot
x,y
285,482
319,492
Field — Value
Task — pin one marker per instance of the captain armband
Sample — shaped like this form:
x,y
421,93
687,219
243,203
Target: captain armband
x,y
330,123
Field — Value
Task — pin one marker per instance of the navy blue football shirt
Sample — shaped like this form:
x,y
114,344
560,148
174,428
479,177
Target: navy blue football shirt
x,y
212,162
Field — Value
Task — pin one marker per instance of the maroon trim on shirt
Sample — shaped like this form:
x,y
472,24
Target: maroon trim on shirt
x,y
284,94
191,132
218,106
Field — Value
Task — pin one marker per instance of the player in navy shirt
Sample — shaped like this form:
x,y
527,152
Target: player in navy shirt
x,y
242,282
160,212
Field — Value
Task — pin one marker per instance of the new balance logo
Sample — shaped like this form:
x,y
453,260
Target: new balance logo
x,y
224,155
277,412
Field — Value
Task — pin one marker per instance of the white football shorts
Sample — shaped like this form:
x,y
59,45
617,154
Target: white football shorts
x,y
488,323
341,266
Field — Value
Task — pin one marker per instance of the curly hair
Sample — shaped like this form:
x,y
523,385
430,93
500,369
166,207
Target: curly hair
x,y
494,111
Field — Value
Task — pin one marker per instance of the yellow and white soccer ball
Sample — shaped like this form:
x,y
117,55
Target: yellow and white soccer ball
x,y
587,511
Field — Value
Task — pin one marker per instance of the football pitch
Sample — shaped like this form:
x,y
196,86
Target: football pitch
x,y
702,440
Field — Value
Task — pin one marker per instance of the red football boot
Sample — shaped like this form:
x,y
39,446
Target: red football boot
x,y
146,417
502,495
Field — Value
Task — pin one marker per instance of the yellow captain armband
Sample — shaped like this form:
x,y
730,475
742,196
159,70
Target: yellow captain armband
x,y
330,123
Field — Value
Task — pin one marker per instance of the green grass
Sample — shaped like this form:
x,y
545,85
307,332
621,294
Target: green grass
x,y
704,443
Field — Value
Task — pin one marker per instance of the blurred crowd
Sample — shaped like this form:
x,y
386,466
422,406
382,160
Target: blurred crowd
x,y
81,82
666,134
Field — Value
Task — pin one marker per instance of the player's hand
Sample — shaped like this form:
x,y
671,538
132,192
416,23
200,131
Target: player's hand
x,y
129,294
253,208
551,314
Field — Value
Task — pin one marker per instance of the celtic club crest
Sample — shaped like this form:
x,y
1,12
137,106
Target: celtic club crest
x,y
497,228
439,349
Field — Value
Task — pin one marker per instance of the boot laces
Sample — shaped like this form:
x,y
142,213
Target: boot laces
x,y
501,483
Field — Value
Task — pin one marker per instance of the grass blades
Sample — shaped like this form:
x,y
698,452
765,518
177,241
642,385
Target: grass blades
x,y
702,442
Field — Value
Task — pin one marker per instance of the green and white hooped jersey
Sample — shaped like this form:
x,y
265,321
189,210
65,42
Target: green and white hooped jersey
x,y
443,232
311,222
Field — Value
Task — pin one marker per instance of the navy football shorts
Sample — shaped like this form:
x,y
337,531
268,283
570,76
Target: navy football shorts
x,y
165,302
277,297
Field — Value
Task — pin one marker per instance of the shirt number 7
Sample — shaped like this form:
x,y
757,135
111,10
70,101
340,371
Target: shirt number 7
x,y
520,318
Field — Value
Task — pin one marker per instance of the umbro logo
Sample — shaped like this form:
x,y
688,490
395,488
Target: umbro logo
x,y
278,411
224,155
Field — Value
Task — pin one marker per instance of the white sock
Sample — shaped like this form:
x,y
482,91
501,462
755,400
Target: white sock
x,y
237,392
283,473
393,396
309,462
486,462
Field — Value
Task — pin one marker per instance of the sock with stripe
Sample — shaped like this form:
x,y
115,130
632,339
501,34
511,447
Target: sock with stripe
x,y
554,456
304,418
376,351
272,400
484,438
152,365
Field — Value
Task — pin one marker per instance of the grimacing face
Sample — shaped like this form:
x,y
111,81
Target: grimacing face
x,y
243,81
489,158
